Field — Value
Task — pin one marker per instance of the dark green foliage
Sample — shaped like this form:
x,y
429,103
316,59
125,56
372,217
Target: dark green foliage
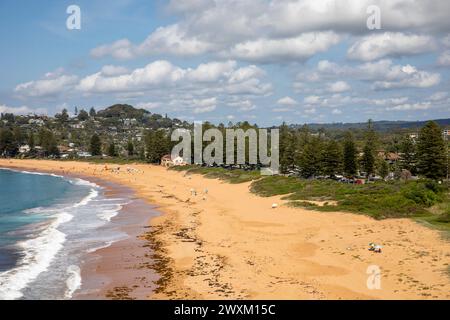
x,y
350,155
383,170
408,152
112,150
332,158
48,143
157,144
95,145
83,115
8,145
431,152
130,148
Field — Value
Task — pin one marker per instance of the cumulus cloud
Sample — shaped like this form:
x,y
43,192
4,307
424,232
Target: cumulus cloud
x,y
390,44
52,84
413,106
383,74
204,105
283,28
339,86
23,110
287,101
444,58
290,49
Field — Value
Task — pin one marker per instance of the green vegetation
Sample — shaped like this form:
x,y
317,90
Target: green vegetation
x,y
231,176
431,152
95,145
379,200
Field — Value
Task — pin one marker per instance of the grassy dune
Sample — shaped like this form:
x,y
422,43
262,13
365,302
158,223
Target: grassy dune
x,y
424,200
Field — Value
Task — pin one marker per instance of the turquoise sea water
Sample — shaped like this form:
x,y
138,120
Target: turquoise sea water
x,y
47,224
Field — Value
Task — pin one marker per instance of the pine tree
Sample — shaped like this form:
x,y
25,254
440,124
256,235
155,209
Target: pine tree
x,y
83,115
95,145
383,170
310,158
130,148
92,112
286,149
408,154
112,150
8,147
368,158
332,158
350,155
431,153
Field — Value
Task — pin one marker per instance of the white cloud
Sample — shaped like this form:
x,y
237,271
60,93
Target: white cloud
x,y
148,105
409,106
204,105
110,70
383,74
444,58
23,110
243,105
52,84
287,101
336,111
439,96
312,100
339,86
388,44
278,31
298,48
120,49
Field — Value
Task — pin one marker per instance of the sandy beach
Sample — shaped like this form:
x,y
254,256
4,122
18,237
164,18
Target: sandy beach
x,y
228,243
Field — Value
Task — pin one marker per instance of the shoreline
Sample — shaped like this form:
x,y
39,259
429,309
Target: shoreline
x,y
105,270
231,244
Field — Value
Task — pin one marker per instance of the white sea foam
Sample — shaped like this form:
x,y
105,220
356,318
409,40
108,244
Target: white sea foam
x,y
38,254
73,281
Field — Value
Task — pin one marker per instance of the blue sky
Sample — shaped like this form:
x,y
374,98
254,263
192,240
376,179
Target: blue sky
x,y
259,60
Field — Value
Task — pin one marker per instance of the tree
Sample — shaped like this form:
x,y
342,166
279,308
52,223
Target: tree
x,y
286,150
431,153
130,148
309,161
383,170
92,112
31,143
95,145
112,150
63,116
48,143
83,115
350,155
157,145
368,158
408,154
8,146
332,158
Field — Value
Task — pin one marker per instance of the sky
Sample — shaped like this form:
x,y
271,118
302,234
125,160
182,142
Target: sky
x,y
267,62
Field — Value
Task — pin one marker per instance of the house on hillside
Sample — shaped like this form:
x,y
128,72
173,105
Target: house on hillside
x,y
24,149
167,161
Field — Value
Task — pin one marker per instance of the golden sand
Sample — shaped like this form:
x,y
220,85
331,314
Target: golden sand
x,y
231,244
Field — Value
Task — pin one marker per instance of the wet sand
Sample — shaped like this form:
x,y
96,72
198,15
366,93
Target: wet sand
x,y
230,244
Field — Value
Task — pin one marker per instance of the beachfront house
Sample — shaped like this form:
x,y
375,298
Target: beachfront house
x,y
167,161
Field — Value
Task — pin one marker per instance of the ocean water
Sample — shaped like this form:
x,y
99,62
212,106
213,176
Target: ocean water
x,y
48,224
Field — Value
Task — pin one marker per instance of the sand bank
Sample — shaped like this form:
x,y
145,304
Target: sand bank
x,y
231,244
